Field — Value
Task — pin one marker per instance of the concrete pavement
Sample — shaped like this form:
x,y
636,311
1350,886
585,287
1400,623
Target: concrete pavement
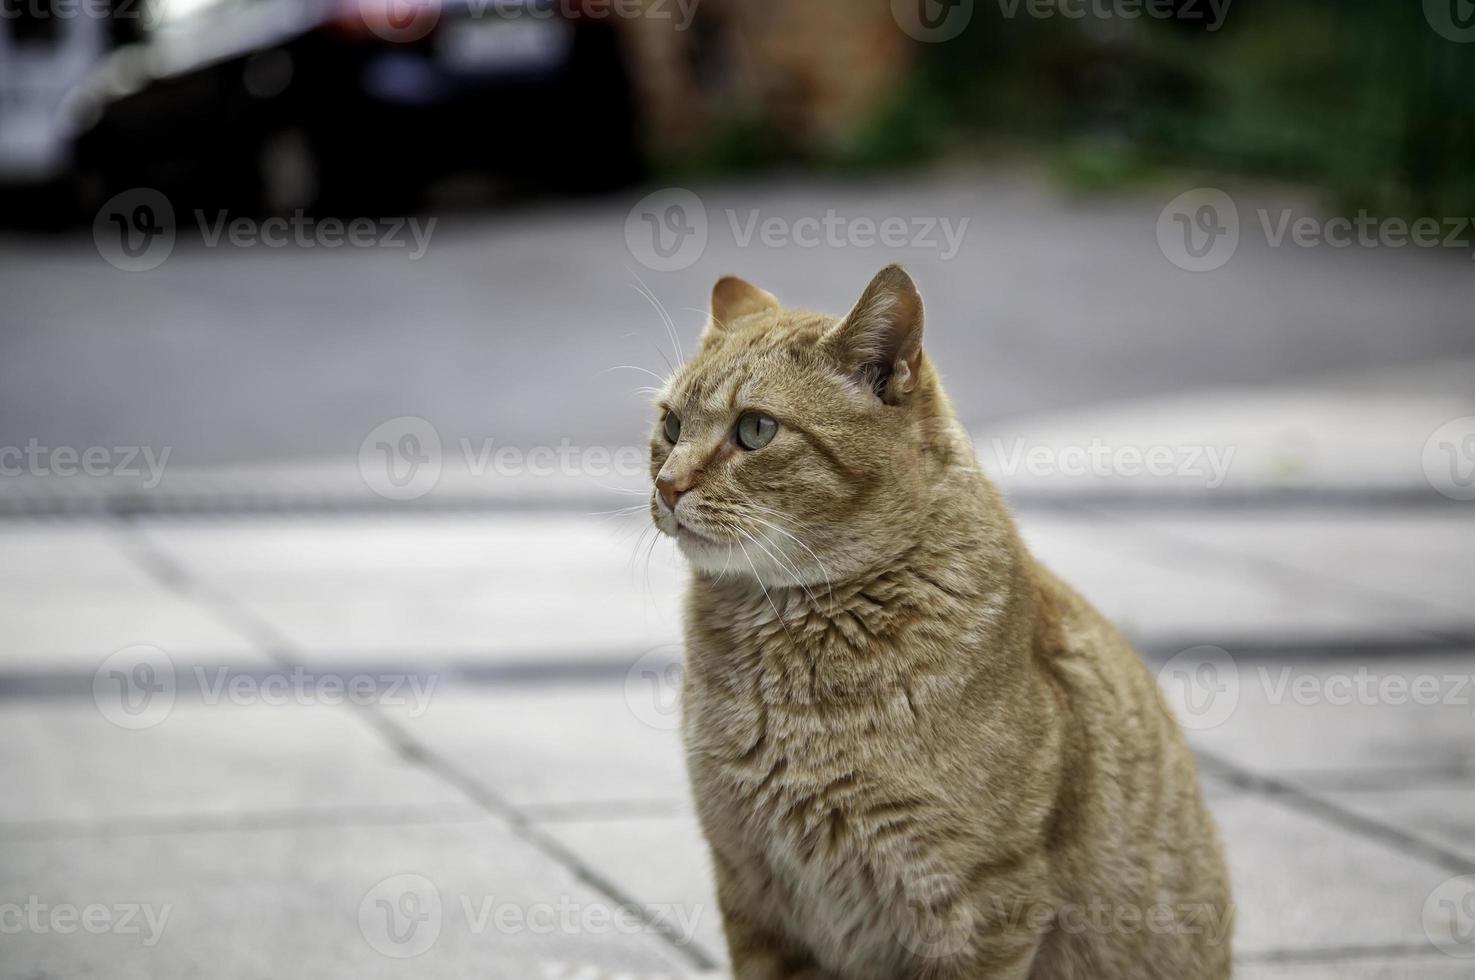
x,y
377,736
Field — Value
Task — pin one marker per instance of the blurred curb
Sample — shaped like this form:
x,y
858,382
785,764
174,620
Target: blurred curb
x,y
1346,441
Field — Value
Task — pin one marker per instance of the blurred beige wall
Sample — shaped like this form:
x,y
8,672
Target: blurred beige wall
x,y
810,70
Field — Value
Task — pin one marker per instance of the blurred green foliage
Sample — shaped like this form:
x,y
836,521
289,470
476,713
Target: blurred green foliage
x,y
1361,97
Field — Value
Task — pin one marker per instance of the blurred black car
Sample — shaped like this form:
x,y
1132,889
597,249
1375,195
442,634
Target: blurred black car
x,y
348,105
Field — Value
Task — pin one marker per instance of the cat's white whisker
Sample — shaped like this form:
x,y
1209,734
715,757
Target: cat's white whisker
x,y
650,295
632,509
637,367
829,586
629,491
759,579
788,568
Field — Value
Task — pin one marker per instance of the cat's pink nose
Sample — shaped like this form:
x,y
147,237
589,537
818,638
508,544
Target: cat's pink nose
x,y
670,490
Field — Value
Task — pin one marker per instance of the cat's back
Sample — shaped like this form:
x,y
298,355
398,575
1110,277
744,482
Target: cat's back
x,y
1131,826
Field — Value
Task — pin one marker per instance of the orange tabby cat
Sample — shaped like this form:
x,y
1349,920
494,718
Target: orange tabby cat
x,y
915,752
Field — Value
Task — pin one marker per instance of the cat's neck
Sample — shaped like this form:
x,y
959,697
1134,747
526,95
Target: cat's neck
x,y
958,562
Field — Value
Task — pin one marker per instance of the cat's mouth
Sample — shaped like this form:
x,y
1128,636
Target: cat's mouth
x,y
686,533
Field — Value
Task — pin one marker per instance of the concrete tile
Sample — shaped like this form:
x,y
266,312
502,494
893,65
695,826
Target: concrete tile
x,y
560,744
663,860
1432,966
70,595
66,762
316,903
73,632
1311,717
1155,594
1442,814
42,555
1302,884
439,587
1422,559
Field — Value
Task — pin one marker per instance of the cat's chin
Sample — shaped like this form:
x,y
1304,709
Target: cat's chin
x,y
702,551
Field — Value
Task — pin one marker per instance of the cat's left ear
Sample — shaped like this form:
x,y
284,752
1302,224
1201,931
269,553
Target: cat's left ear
x,y
880,341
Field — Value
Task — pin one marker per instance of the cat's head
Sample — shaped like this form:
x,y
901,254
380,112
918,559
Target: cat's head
x,y
795,447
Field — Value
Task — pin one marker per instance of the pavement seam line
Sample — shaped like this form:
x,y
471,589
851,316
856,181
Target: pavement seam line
x,y
1334,954
125,505
150,826
1310,804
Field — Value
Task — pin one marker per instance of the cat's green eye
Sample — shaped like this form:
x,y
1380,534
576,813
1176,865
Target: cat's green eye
x,y
754,430
671,426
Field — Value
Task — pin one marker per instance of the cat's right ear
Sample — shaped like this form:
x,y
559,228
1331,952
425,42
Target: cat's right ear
x,y
879,343
733,299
